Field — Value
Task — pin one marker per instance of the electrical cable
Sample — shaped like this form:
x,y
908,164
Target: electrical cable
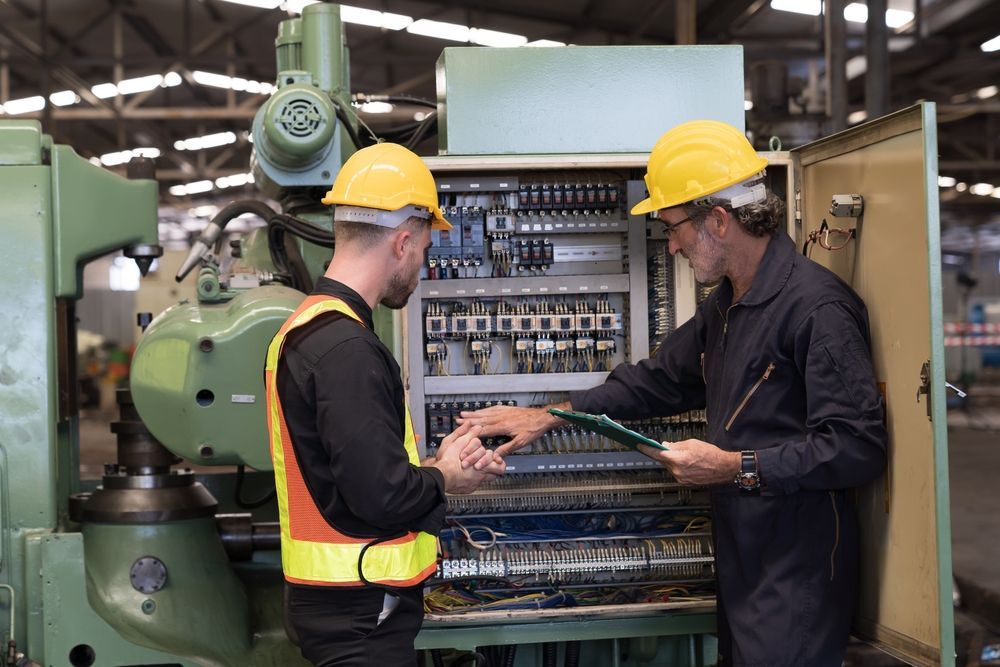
x,y
250,504
346,122
425,125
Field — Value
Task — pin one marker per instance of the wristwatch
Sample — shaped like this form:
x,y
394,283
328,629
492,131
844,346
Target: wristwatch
x,y
748,478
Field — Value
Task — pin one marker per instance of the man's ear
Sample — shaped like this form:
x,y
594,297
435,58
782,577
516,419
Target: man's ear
x,y
400,242
720,220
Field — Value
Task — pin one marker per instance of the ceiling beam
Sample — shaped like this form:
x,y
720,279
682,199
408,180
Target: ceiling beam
x,y
941,15
151,113
71,43
719,16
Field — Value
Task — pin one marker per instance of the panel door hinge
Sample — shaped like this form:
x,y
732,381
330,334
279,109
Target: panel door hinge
x,y
925,385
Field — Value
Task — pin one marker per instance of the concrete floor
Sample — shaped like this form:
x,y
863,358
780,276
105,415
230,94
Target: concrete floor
x,y
974,461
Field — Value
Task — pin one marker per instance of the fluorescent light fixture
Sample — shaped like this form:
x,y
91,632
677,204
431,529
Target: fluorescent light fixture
x,y
439,29
810,7
495,38
545,42
140,84
894,18
234,82
855,67
953,259
297,5
946,182
856,12
198,187
207,141
373,18
233,180
24,105
981,189
991,45
747,105
171,79
64,98
104,90
376,107
996,193
259,4
121,157
212,79
961,187
205,211
987,92
857,117
897,18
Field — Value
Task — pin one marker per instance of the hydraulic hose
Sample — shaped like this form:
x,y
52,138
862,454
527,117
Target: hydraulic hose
x,y
550,652
572,654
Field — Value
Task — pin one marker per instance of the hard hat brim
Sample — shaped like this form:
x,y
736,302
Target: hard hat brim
x,y
439,222
644,207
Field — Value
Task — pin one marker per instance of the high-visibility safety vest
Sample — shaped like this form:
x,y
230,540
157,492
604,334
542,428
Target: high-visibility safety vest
x,y
312,551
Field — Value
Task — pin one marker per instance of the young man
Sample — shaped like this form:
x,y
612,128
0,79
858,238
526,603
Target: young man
x,y
359,513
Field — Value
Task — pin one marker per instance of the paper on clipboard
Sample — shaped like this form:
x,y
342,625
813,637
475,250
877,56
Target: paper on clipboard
x,y
609,428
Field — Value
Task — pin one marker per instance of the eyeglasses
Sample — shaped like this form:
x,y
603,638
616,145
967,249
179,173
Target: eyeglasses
x,y
828,238
668,228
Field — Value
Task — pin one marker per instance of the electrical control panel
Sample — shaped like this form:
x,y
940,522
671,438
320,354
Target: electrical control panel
x,y
542,287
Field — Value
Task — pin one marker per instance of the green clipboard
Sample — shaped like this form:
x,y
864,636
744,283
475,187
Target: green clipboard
x,y
609,428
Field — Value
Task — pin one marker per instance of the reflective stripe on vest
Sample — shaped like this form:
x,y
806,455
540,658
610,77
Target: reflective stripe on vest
x,y
312,551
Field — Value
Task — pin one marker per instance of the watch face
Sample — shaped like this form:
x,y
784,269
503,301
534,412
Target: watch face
x,y
748,481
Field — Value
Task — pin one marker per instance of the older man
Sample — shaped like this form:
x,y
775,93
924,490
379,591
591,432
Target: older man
x,y
779,356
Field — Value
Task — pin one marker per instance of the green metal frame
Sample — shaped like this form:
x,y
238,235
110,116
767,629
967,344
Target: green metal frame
x,y
928,112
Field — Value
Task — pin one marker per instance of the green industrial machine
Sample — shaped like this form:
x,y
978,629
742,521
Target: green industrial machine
x,y
158,566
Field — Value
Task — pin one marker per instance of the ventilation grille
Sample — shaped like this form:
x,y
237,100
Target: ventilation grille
x,y
300,118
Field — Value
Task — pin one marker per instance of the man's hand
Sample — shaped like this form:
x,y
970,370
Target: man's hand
x,y
696,462
463,461
522,425
472,454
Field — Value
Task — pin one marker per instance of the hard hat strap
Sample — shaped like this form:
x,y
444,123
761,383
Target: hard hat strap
x,y
374,216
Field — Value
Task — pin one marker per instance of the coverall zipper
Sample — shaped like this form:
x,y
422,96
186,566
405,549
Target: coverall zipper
x,y
836,535
725,320
749,395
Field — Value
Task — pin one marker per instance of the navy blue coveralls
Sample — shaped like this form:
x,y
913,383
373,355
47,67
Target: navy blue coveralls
x,y
787,372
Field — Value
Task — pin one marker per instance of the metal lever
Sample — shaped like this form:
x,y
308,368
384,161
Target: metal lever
x,y
958,392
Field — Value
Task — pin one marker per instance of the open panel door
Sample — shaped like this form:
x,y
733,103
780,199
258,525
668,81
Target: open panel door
x,y
894,263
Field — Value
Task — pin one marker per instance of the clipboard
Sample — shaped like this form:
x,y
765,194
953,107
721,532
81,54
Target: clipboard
x,y
609,428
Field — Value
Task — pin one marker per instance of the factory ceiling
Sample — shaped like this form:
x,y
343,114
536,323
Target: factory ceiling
x,y
191,73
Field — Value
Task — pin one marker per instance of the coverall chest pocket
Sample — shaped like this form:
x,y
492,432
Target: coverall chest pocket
x,y
745,400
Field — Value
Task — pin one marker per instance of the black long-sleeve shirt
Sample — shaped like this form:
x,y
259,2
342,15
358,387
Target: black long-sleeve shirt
x,y
343,401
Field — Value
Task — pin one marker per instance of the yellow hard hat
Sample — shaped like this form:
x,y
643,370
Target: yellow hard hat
x,y
387,177
696,159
